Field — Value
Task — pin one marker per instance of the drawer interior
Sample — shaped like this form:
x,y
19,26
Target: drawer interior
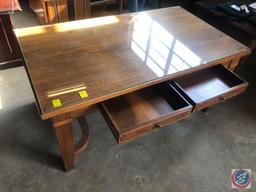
x,y
208,83
143,108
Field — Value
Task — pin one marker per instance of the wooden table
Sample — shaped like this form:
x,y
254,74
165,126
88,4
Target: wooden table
x,y
122,63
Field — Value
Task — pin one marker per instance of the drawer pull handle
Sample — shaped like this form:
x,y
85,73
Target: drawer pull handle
x,y
158,126
221,99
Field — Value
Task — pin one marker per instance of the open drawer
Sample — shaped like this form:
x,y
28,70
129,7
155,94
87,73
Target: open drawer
x,y
209,86
136,113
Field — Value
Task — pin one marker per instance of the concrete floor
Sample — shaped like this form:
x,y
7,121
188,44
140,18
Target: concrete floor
x,y
195,154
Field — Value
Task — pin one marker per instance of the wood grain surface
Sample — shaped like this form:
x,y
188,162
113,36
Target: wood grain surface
x,y
115,55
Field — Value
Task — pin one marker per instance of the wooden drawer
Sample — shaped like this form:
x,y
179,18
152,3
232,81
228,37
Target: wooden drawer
x,y
136,113
209,86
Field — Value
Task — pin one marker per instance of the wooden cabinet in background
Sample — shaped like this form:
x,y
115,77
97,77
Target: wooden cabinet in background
x,y
55,11
9,49
50,11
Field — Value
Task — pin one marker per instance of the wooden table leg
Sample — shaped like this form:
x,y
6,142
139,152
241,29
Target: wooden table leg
x,y
64,136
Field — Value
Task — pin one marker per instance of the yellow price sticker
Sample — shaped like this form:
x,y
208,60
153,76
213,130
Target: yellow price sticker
x,y
56,103
83,94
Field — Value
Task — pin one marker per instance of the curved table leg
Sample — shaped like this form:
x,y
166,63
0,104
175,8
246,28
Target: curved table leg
x,y
84,140
64,136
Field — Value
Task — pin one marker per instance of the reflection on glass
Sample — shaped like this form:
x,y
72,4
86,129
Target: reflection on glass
x,y
157,57
155,67
158,49
67,26
82,24
29,31
178,63
186,54
138,50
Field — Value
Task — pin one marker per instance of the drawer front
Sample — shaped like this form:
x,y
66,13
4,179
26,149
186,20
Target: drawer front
x,y
134,114
209,87
122,137
221,98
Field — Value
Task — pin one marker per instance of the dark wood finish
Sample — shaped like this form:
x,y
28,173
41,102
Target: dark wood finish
x,y
49,56
64,135
79,9
87,8
82,9
210,86
136,113
103,56
9,48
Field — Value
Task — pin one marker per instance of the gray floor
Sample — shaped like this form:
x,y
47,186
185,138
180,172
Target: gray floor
x,y
195,154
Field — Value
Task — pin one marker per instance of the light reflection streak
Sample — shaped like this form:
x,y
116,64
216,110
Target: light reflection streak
x,y
30,31
66,26
66,90
87,23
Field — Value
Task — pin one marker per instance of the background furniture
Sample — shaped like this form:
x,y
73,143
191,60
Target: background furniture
x,y
10,55
143,88
165,3
54,11
240,29
50,11
104,2
136,5
160,2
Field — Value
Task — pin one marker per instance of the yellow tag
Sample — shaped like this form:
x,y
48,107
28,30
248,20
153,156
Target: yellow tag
x,y
56,103
83,94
